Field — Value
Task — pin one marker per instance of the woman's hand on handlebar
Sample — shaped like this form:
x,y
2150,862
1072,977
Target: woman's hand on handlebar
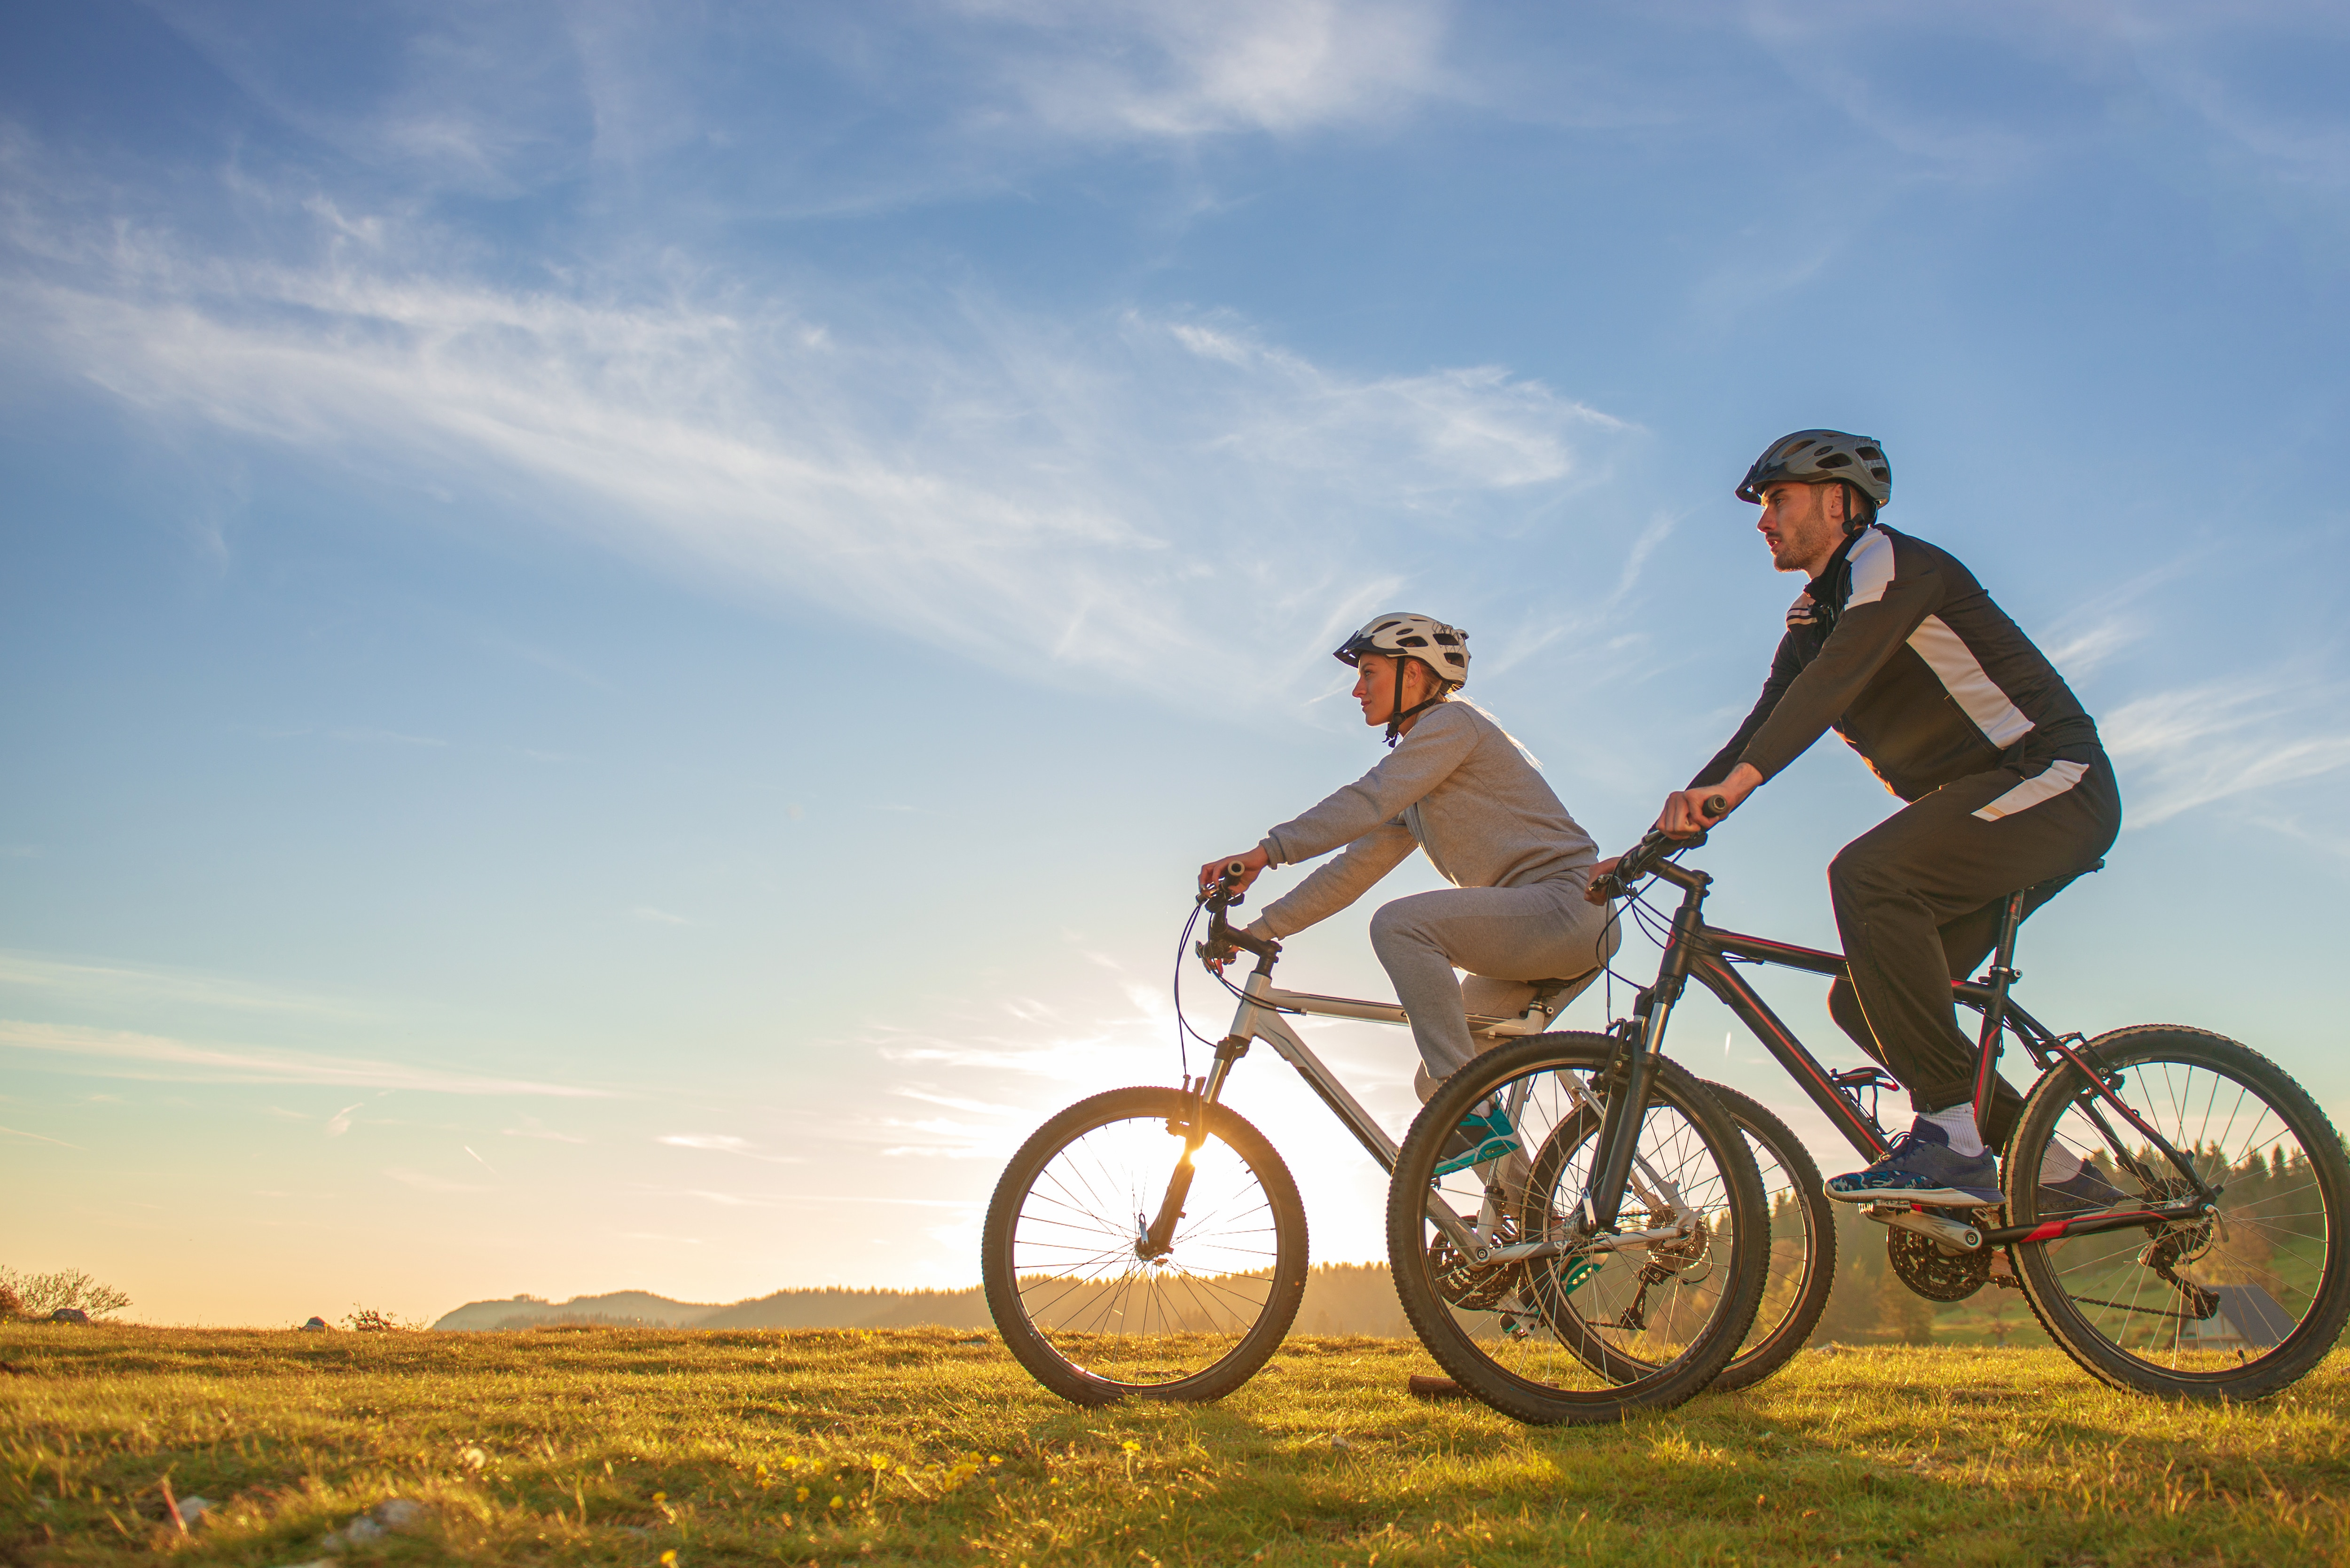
x,y
1595,891
1253,864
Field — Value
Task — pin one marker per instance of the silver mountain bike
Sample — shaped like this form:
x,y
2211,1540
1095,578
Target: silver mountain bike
x,y
1150,1242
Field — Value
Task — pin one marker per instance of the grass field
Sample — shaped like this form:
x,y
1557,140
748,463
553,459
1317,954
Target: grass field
x,y
650,1447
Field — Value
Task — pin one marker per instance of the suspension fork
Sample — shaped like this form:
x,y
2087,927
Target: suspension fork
x,y
1158,1239
1627,1089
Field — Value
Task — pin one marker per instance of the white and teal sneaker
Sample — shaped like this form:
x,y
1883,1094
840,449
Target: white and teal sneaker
x,y
1478,1138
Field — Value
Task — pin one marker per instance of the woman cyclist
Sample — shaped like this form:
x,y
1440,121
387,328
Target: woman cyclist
x,y
1461,788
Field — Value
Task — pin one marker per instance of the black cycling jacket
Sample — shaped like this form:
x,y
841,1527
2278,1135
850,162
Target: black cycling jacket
x,y
1899,649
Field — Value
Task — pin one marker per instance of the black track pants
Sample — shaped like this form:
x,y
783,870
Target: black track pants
x,y
1918,901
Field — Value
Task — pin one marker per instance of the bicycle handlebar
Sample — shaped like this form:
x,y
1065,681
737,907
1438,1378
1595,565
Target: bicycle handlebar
x,y
1643,858
1225,940
1224,887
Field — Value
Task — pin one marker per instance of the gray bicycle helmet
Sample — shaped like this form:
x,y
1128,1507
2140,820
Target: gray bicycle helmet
x,y
1818,457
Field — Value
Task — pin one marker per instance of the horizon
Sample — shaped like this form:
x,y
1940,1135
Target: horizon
x,y
624,630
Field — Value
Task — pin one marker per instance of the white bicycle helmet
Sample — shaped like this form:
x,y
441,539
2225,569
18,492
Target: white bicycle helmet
x,y
1401,635
1821,457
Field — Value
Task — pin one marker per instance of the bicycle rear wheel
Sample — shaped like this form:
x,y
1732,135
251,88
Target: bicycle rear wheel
x,y
1588,1333
2233,1305
1081,1308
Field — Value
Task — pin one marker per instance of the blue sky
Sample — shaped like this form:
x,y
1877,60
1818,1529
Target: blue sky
x,y
623,624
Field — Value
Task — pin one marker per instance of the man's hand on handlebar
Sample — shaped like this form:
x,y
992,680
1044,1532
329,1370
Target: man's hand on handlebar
x,y
1691,812
1254,862
1688,816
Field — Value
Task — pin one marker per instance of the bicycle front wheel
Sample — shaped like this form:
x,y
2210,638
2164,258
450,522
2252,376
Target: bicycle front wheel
x,y
1802,1243
1594,1326
1080,1305
2236,1304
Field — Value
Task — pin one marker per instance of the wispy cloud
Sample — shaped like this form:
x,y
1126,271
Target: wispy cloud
x,y
114,982
726,1143
424,1181
532,1128
123,1055
651,916
1089,498
340,1122
384,738
37,1137
2181,749
1148,70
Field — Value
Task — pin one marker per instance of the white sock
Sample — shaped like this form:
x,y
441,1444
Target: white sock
x,y
1959,1122
2060,1164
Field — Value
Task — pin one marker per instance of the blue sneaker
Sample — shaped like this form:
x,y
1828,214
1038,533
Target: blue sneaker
x,y
1478,1138
2075,1184
1922,1168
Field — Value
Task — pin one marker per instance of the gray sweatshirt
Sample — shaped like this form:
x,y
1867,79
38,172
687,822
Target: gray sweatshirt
x,y
1459,786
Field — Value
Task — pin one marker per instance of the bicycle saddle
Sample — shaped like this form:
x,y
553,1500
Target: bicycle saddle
x,y
2040,893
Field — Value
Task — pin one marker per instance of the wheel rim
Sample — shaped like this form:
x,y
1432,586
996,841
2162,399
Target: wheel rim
x,y
1587,1325
2192,1300
1106,1311
1793,1247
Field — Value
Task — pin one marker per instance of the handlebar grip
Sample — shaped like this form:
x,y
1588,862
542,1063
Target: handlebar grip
x,y
1236,869
1716,806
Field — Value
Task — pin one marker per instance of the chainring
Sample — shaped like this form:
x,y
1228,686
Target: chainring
x,y
1931,1273
1471,1287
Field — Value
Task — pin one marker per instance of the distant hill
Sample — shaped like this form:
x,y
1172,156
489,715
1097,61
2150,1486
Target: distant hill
x,y
1340,1298
621,1309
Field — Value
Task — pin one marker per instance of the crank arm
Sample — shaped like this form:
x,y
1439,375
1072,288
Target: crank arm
x,y
1955,1233
1524,1250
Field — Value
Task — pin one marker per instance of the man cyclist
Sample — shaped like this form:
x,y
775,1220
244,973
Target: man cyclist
x,y
1461,788
1895,646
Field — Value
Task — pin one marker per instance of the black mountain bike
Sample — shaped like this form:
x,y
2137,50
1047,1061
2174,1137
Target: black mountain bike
x,y
2172,1205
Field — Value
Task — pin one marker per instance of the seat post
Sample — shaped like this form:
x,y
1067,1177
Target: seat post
x,y
2002,974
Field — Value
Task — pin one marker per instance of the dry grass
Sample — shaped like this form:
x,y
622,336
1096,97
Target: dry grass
x,y
626,1447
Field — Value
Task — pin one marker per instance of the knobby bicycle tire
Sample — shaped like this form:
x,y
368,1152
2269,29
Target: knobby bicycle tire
x,y
1804,1264
2153,1308
1089,1318
1465,1342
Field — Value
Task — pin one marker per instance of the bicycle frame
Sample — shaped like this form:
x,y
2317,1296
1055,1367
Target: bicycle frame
x,y
1706,953
1259,1017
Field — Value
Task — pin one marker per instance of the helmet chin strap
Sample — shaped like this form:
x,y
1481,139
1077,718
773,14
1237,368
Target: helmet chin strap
x,y
1398,714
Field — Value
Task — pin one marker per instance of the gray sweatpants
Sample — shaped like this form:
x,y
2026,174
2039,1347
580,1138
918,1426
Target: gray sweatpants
x,y
1505,937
